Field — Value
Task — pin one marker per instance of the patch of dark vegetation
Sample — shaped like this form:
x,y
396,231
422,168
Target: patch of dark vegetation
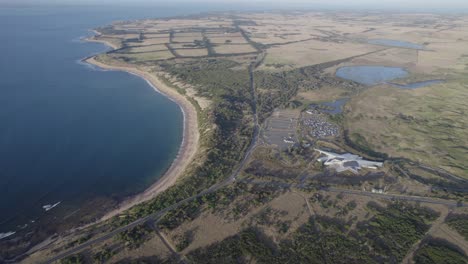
x,y
458,222
223,202
331,177
184,240
136,236
236,249
457,189
209,46
394,229
103,255
212,77
441,181
78,241
434,251
344,210
270,217
359,143
183,213
316,242
73,259
442,185
110,30
385,238
244,22
323,240
280,87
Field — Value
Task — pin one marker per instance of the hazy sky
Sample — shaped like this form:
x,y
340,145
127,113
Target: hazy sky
x,y
396,4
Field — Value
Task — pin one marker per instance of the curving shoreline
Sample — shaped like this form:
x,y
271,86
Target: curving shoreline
x,y
93,39
190,139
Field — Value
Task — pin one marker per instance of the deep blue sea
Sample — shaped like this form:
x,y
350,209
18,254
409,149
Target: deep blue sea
x,y
70,133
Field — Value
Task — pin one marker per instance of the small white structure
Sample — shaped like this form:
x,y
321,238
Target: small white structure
x,y
48,207
346,162
377,190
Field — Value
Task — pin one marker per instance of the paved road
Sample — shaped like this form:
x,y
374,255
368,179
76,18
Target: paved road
x,y
396,197
157,215
413,198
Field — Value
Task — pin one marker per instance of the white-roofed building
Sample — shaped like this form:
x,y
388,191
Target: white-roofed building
x,y
346,162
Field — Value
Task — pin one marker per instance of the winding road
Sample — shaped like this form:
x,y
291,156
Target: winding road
x,y
232,178
157,215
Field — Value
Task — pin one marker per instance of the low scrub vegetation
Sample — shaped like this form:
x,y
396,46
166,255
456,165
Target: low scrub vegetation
x,y
384,238
458,222
434,251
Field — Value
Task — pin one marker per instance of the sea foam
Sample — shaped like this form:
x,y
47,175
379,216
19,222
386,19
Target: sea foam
x,y
7,234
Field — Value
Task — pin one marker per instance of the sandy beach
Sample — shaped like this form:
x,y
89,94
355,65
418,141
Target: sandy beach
x,y
189,145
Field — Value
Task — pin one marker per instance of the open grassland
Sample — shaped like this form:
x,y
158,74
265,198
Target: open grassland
x,y
144,57
327,93
156,35
232,40
193,34
426,125
192,52
186,39
153,41
389,57
445,55
122,36
234,48
185,45
224,34
174,24
146,49
313,52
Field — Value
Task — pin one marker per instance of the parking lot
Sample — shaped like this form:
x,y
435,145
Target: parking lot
x,y
280,129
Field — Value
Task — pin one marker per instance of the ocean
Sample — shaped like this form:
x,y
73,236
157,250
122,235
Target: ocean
x,y
69,133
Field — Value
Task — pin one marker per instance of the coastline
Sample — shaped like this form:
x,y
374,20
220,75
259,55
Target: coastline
x,y
102,42
93,39
187,149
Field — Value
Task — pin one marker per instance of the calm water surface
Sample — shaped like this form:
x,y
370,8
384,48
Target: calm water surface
x,y
334,107
68,132
371,75
396,43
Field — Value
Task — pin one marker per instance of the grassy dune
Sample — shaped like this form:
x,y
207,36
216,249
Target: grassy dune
x,y
427,125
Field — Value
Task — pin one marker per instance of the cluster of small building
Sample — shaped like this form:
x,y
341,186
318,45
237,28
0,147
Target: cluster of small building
x,y
320,127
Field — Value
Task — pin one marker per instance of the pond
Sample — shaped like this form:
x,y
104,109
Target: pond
x,y
371,75
395,43
334,107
